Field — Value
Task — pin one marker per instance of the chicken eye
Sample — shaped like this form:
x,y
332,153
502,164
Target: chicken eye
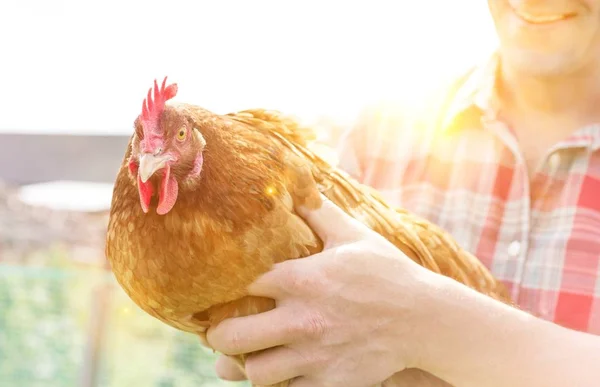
x,y
181,134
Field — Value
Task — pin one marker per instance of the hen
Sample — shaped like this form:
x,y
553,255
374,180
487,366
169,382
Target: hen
x,y
203,204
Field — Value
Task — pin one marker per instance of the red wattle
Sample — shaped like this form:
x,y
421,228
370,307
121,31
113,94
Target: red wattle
x,y
133,167
168,192
146,191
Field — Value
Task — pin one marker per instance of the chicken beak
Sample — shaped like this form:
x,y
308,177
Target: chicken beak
x,y
149,164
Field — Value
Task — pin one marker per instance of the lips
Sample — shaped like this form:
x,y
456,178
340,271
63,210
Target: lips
x,y
540,16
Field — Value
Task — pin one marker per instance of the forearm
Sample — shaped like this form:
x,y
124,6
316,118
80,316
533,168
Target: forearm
x,y
478,341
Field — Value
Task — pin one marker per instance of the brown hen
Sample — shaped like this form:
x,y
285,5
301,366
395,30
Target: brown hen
x,y
203,204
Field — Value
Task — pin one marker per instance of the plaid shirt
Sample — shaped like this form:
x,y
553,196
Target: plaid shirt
x,y
540,236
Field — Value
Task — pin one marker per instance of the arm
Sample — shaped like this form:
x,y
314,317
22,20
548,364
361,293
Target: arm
x,y
477,341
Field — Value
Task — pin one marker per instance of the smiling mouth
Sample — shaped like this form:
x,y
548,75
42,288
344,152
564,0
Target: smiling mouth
x,y
541,19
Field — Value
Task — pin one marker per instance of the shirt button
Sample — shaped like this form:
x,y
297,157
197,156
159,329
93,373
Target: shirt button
x,y
514,248
545,312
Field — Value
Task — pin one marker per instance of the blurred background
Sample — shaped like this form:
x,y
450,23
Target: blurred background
x,y
74,74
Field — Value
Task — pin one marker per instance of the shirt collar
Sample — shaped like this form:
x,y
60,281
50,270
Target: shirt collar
x,y
477,92
586,137
477,99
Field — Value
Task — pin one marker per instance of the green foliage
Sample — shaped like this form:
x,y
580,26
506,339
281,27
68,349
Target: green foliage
x,y
45,330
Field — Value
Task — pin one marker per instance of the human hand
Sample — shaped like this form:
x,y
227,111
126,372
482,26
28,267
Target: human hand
x,y
344,317
228,369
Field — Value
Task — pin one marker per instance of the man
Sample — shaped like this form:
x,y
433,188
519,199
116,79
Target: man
x,y
513,172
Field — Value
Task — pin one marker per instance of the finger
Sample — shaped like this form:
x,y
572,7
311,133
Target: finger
x,y
414,377
275,365
203,341
302,382
240,335
229,369
287,278
329,221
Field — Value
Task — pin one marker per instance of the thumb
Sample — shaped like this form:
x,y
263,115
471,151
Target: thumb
x,y
330,222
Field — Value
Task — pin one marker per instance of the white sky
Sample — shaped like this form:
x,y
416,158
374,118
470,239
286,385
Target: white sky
x,y
83,66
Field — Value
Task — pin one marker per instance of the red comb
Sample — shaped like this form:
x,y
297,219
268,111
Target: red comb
x,y
152,108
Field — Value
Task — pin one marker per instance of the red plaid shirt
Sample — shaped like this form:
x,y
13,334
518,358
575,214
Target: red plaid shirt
x,y
541,236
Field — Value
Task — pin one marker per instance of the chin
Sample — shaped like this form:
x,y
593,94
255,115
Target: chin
x,y
542,64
